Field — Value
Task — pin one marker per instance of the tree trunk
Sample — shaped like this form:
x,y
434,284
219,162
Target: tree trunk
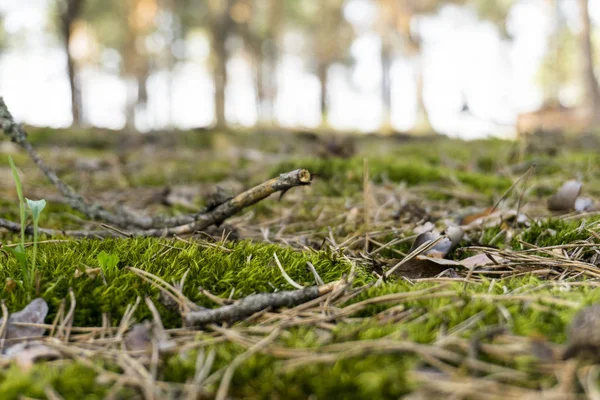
x,y
552,89
592,97
386,84
69,13
130,66
259,85
76,103
220,80
271,56
220,29
322,75
422,123
175,34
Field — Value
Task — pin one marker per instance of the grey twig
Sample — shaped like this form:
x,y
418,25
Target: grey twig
x,y
256,303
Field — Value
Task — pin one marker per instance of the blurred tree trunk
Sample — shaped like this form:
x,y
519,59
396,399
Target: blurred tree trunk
x,y
221,25
130,66
140,19
592,93
322,69
386,84
271,57
169,58
69,11
422,123
327,44
394,27
552,89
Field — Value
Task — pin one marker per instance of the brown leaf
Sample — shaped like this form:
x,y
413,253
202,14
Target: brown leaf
x,y
565,197
480,260
467,219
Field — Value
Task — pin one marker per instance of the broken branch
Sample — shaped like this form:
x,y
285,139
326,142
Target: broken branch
x,y
285,181
256,303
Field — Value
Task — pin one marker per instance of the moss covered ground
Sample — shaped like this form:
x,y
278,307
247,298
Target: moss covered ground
x,y
480,333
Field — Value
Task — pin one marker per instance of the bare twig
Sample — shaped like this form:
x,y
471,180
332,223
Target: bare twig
x,y
256,303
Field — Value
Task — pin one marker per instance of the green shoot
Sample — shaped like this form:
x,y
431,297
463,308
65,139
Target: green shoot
x,y
108,264
36,207
15,174
19,250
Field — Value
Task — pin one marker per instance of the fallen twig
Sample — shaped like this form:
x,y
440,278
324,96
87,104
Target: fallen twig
x,y
256,303
284,182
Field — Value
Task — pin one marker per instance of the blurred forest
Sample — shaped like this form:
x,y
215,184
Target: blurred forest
x,y
148,43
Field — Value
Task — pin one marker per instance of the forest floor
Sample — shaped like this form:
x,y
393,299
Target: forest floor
x,y
480,314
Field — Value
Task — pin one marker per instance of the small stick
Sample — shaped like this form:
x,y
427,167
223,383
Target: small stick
x,y
256,303
299,177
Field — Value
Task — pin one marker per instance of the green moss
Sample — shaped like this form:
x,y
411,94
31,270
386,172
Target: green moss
x,y
464,311
247,268
552,232
344,176
70,379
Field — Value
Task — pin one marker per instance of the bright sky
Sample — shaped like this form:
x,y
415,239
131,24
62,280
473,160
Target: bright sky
x,y
462,58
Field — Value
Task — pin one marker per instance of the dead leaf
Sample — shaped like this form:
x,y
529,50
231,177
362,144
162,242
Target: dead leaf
x,y
34,313
453,235
583,204
139,337
423,267
479,260
468,219
426,227
565,197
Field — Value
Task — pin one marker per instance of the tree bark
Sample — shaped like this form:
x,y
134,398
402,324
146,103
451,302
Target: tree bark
x,y
592,97
69,13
